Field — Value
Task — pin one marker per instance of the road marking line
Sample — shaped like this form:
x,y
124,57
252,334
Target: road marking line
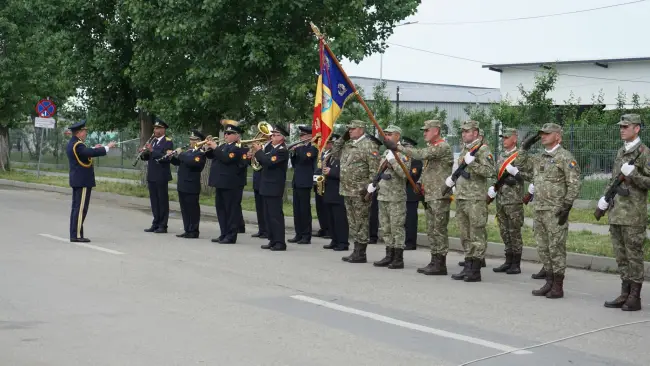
x,y
101,249
412,326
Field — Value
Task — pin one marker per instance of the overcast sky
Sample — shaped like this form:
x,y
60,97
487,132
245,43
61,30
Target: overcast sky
x,y
617,32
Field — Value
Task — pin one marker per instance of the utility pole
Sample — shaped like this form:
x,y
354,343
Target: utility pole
x,y
397,107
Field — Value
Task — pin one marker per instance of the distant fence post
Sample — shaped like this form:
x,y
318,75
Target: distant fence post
x,y
571,139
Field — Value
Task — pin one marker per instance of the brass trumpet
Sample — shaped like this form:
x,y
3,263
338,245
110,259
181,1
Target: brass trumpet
x,y
201,144
264,134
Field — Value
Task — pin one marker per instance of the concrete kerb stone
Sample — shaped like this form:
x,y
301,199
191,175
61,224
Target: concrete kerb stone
x,y
574,260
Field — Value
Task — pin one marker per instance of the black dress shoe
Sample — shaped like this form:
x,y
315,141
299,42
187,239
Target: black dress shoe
x,y
218,240
304,241
256,235
278,248
329,246
266,246
341,248
160,231
192,236
264,236
295,239
80,240
183,235
150,230
320,233
228,241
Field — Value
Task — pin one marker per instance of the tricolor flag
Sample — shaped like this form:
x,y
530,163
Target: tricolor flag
x,y
332,92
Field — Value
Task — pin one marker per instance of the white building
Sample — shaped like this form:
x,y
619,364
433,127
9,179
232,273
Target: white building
x,y
418,96
584,78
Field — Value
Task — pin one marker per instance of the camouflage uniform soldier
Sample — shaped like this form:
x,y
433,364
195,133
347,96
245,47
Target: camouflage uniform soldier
x,y
628,214
556,184
471,208
510,208
392,204
359,162
438,160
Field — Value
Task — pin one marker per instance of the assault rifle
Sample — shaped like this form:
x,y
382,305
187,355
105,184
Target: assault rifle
x,y
376,180
615,189
460,171
501,181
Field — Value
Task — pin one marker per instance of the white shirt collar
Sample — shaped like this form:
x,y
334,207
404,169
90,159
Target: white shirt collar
x,y
510,151
359,139
630,145
553,149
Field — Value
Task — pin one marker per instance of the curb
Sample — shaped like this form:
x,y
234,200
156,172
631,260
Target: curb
x,y
573,260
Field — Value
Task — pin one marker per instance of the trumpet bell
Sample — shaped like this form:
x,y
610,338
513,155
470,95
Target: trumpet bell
x,y
265,128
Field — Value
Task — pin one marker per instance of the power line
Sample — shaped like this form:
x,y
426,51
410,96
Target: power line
x,y
515,67
532,17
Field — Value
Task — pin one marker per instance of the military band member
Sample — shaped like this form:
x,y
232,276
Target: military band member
x,y
359,162
471,207
262,232
81,177
244,162
337,215
627,214
556,184
321,207
303,160
274,175
190,164
391,196
224,173
412,200
438,161
159,175
510,208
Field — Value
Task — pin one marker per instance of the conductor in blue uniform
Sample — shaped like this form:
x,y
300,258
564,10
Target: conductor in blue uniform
x,y
82,177
159,175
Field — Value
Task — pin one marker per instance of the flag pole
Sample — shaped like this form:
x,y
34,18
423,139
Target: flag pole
x,y
320,36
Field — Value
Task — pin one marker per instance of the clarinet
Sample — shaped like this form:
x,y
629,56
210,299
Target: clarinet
x,y
137,157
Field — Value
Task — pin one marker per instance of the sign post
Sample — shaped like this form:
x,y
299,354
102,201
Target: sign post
x,y
46,109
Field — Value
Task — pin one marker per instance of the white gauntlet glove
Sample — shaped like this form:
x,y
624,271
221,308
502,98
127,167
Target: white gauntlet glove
x,y
371,188
469,158
531,188
491,192
512,170
449,182
602,204
627,169
390,156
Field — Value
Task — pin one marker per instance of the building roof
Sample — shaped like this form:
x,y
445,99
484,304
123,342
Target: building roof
x,y
413,91
598,62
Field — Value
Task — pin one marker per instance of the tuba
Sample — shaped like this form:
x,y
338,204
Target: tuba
x,y
264,134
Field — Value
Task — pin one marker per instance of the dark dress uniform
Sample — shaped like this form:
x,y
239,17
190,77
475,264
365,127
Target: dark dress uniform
x,y
243,181
82,180
224,176
337,214
259,200
321,207
412,202
274,175
303,161
159,175
190,165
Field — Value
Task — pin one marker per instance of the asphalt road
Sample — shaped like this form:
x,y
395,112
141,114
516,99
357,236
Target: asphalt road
x,y
133,298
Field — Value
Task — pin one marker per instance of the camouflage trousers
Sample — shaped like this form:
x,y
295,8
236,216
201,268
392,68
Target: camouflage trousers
x,y
358,211
628,247
471,216
392,216
511,219
551,241
437,221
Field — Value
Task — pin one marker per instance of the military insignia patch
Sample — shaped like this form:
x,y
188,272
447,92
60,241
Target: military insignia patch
x,y
414,170
309,155
244,156
231,155
197,159
375,153
572,164
490,157
274,158
405,158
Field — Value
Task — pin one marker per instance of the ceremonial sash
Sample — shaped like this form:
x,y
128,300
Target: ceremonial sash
x,y
505,163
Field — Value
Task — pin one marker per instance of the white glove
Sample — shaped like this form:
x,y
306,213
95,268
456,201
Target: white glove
x,y
449,182
453,190
107,148
469,158
371,188
531,188
627,169
491,192
512,170
315,177
390,156
602,204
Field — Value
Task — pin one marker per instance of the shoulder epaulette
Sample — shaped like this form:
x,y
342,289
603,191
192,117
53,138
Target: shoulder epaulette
x,y
168,139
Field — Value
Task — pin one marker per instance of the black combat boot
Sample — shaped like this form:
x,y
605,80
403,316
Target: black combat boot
x,y
633,302
474,274
429,266
539,275
515,267
505,266
557,289
360,257
354,253
546,288
384,262
622,298
464,272
398,259
439,267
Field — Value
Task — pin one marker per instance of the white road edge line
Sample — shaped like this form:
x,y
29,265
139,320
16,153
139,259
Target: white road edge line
x,y
412,326
101,249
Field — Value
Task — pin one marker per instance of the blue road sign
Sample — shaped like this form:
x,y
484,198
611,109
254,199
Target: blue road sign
x,y
45,108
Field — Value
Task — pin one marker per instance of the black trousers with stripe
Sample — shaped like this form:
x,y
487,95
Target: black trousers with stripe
x,y
159,197
191,211
80,203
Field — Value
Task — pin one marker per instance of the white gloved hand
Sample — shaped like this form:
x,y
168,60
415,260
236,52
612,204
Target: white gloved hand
x,y
512,170
390,156
602,204
449,182
469,158
627,169
491,192
315,177
453,190
531,188
371,188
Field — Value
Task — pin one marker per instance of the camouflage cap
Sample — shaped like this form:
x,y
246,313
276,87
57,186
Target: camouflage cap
x,y
468,125
355,123
393,128
431,124
480,132
630,119
551,127
507,132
